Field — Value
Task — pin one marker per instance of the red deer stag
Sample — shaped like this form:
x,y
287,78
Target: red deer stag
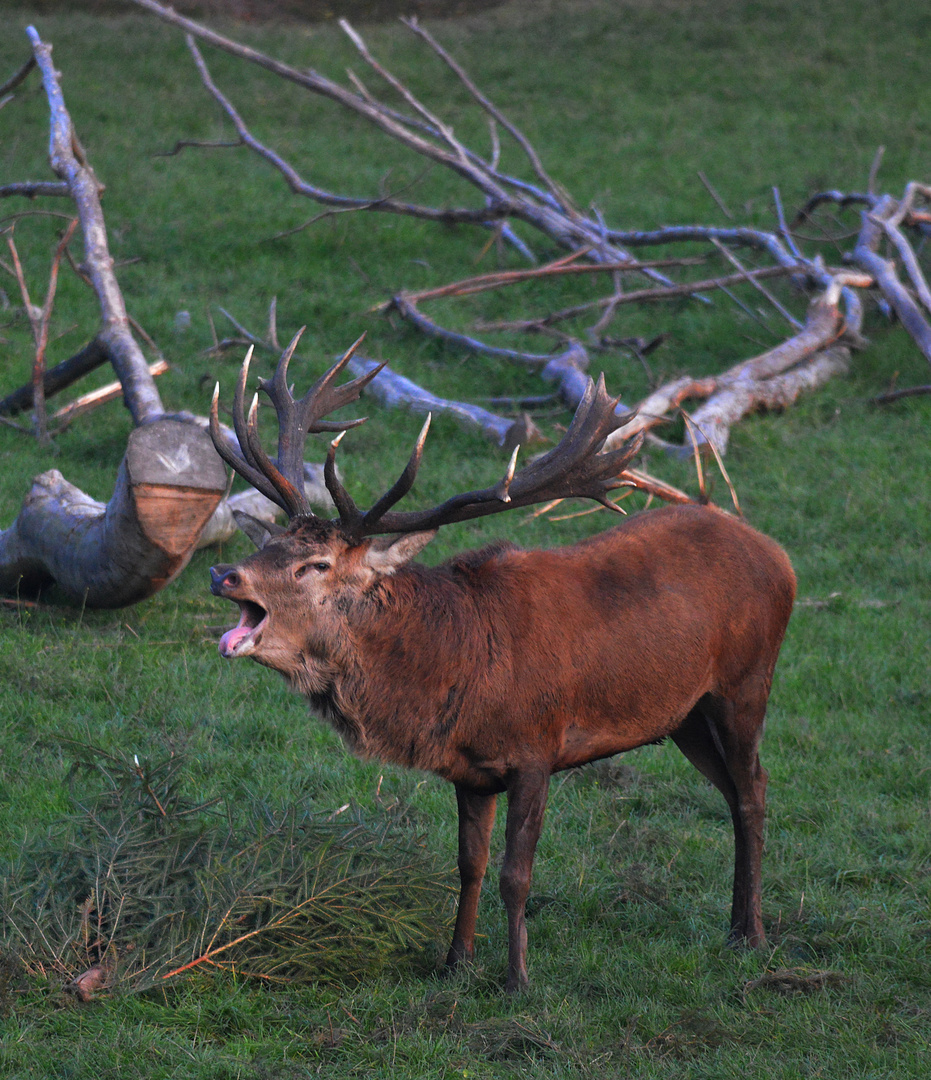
x,y
503,666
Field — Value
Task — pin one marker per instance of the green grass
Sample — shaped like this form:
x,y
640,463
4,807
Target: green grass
x,y
630,974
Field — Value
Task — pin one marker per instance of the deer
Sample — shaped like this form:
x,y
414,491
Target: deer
x,y
502,666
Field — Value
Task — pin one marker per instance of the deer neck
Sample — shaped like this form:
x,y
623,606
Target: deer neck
x,y
409,666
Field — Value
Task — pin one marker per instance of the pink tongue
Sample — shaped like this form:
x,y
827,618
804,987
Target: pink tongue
x,y
232,637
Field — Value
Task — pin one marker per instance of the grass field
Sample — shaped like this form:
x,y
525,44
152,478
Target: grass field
x,y
630,974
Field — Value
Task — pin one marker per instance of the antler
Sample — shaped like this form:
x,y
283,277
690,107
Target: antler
x,y
283,481
575,468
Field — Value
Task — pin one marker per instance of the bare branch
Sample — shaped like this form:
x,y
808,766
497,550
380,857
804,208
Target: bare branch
x,y
719,202
68,162
29,190
884,271
111,391
566,266
892,218
734,261
302,187
783,227
839,198
199,144
559,194
395,391
413,315
406,304
18,77
874,169
38,367
503,196
897,395
435,123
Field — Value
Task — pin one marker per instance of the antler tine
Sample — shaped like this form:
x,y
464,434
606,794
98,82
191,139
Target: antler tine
x,y
594,420
326,398
239,411
576,467
261,471
504,484
350,516
291,437
237,456
402,485
290,496
220,442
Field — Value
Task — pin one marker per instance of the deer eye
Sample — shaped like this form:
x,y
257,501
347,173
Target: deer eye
x,y
320,567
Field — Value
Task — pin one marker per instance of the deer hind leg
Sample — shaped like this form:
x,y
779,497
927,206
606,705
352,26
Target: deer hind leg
x,y
721,738
526,803
476,818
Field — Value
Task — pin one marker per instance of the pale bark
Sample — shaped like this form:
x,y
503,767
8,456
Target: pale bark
x,y
110,555
171,480
772,380
727,406
885,272
70,164
395,391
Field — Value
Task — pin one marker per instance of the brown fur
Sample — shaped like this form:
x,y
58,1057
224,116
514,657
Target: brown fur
x,y
502,666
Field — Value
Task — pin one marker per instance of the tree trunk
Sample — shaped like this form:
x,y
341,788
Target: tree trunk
x,y
109,555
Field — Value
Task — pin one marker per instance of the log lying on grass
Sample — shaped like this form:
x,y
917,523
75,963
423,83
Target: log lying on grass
x,y
171,479
109,555
395,391
773,380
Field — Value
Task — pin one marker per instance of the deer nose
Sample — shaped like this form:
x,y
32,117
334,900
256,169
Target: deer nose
x,y
223,577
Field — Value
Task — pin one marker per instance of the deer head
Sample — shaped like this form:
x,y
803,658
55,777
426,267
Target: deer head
x,y
294,593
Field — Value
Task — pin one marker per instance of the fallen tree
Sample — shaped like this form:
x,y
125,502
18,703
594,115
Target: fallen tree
x,y
114,554
818,349
170,482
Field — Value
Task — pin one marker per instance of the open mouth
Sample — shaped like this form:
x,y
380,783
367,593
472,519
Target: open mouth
x,y
246,635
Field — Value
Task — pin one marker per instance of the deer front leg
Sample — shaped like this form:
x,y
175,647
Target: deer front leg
x,y
476,818
526,803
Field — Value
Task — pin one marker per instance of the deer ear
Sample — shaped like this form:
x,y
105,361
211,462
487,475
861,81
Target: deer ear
x,y
385,554
259,532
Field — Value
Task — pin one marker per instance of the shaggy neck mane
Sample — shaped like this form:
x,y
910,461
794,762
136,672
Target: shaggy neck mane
x,y
391,698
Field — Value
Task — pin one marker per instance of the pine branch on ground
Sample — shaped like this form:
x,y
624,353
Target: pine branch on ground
x,y
141,885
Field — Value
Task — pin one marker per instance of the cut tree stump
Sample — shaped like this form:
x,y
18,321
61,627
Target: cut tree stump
x,y
112,554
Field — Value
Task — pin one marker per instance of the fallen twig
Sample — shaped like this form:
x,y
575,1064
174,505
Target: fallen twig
x,y
896,395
